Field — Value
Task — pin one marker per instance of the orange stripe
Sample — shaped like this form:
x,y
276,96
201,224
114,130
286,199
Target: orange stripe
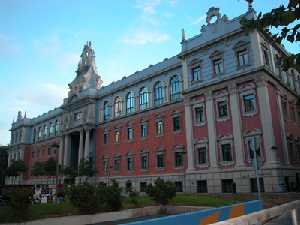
x,y
236,211
213,218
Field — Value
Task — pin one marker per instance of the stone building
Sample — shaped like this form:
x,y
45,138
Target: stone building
x,y
194,118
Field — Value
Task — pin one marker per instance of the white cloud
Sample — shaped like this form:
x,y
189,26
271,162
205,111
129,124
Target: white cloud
x,y
199,20
143,37
148,6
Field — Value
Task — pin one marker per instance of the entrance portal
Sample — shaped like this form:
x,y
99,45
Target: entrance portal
x,y
75,138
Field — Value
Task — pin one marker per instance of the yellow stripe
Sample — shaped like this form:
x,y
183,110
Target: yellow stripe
x,y
213,218
237,211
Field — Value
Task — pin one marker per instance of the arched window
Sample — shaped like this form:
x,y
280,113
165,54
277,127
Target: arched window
x,y
40,132
158,93
144,98
130,102
175,88
118,106
51,128
34,135
45,130
106,111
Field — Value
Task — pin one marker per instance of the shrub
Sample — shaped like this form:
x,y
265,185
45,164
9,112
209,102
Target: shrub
x,y
112,196
83,197
20,202
162,191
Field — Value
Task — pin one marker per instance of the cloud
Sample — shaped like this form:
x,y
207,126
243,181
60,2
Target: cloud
x,y
199,20
147,6
143,37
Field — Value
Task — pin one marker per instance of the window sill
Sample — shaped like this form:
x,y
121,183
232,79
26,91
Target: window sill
x,y
159,135
176,132
250,114
200,124
201,166
223,119
227,163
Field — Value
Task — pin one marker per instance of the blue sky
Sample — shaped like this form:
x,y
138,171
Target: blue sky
x,y
41,41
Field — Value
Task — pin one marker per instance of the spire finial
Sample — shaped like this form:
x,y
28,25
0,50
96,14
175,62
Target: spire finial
x,y
182,35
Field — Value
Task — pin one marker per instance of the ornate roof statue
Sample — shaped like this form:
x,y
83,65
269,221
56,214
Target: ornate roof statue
x,y
19,118
87,75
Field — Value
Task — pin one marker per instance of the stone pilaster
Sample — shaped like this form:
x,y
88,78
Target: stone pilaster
x,y
185,74
237,125
87,145
80,150
266,121
60,151
189,136
283,133
66,151
212,138
256,49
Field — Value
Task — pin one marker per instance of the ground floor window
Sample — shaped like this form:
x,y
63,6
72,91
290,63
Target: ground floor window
x,y
143,186
178,185
253,183
227,186
202,186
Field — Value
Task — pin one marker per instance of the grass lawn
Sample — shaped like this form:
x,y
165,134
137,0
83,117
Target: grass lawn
x,y
55,210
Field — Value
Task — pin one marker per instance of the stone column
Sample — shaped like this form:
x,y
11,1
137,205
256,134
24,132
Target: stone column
x,y
283,133
266,121
237,125
185,74
189,136
80,150
60,151
87,145
66,151
212,139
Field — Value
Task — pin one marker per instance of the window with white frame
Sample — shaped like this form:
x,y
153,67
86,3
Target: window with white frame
x,y
218,66
40,132
160,160
118,106
243,57
159,94
130,102
226,152
144,98
117,163
199,113
196,73
117,136
51,128
176,123
175,88
201,155
130,163
106,111
144,161
178,156
129,133
266,56
159,127
222,109
249,103
45,131
144,130
57,126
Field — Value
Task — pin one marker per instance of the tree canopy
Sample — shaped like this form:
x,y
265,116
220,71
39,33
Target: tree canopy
x,y
285,20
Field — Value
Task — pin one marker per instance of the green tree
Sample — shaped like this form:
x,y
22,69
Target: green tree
x,y
162,191
20,201
3,163
38,169
16,168
71,173
50,167
86,168
285,20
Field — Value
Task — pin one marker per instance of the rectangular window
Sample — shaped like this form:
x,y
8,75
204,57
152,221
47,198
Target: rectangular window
x,y
105,138
129,163
160,159
226,152
178,185
144,130
243,58
202,186
117,136
143,186
144,162
266,57
176,123
159,127
77,116
178,159
284,109
253,183
201,152
117,163
199,114
227,186
218,66
129,133
196,73
249,103
222,109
